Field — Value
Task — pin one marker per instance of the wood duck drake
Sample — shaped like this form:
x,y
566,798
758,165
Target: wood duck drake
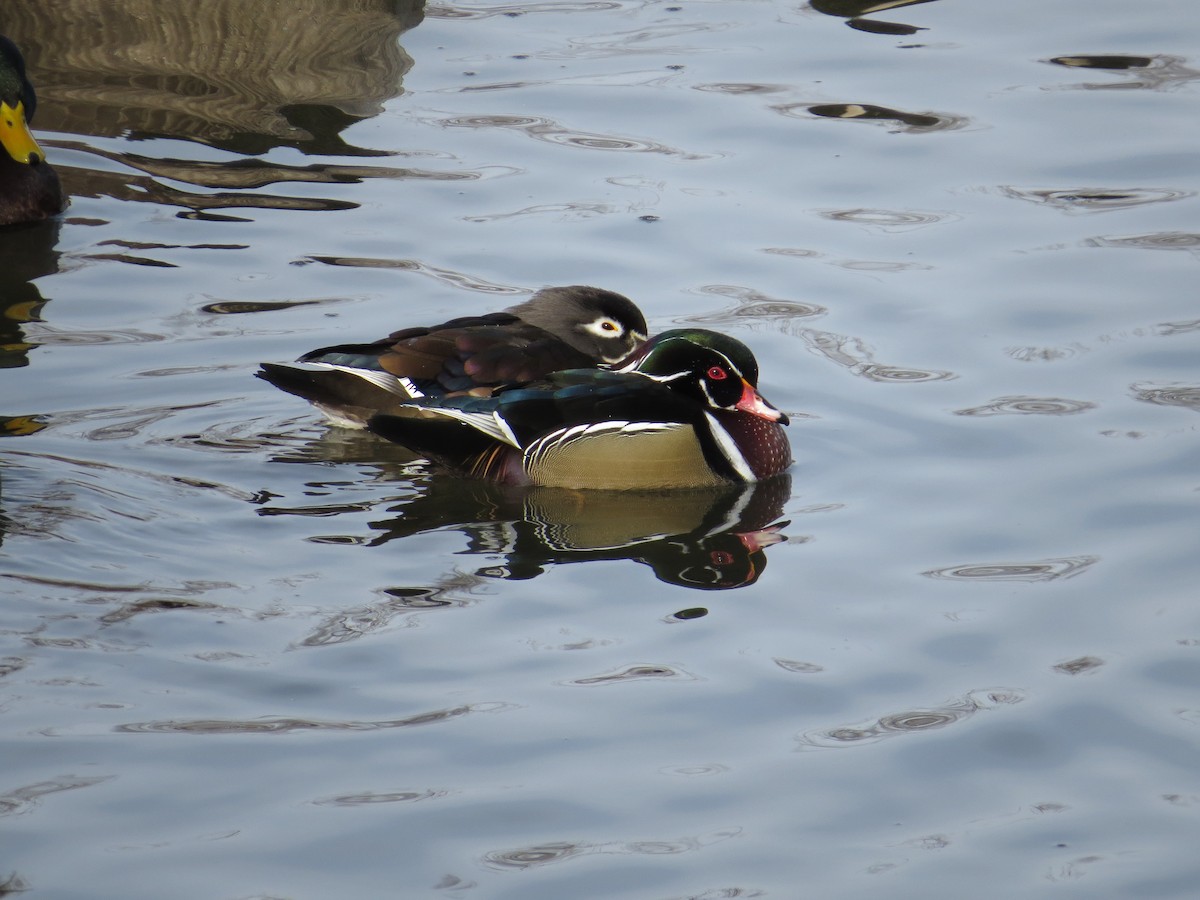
x,y
558,328
682,410
29,187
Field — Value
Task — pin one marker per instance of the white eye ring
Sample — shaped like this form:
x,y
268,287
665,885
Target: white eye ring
x,y
605,327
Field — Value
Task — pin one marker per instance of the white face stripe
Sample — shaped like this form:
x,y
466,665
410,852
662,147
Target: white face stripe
x,y
729,449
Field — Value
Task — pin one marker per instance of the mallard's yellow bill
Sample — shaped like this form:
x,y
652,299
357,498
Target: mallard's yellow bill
x,y
15,136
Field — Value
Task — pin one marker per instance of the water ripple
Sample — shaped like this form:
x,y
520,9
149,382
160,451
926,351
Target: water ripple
x,y
512,10
886,219
352,624
154,605
1041,570
1151,73
1161,240
909,721
248,174
1079,665
562,211
368,798
45,335
855,356
911,122
1044,354
286,725
25,799
1028,406
896,374
754,305
550,131
1187,396
694,770
558,851
1166,329
636,673
1093,200
740,87
795,665
447,276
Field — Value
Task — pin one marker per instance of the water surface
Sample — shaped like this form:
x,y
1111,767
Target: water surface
x,y
246,654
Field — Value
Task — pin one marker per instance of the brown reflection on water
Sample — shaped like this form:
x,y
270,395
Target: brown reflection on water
x,y
231,76
909,721
854,10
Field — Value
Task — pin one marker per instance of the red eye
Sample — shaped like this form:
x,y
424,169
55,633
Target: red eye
x,y
716,373
720,558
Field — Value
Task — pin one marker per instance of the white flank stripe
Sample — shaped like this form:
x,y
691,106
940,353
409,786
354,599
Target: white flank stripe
x,y
509,437
489,423
729,449
565,436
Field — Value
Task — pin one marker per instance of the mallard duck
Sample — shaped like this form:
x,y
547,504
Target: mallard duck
x,y
558,328
682,410
29,188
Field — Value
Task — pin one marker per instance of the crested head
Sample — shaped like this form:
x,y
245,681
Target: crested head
x,y
603,324
670,351
717,370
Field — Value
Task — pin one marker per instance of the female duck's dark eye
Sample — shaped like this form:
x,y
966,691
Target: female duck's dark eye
x,y
716,373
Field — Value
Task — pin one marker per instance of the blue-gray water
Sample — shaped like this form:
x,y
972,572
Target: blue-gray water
x,y
247,655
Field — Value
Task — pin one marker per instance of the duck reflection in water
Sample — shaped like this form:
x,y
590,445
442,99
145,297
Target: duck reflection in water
x,y
713,539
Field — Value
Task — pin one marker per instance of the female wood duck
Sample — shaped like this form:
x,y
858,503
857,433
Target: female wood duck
x,y
682,410
29,188
558,328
